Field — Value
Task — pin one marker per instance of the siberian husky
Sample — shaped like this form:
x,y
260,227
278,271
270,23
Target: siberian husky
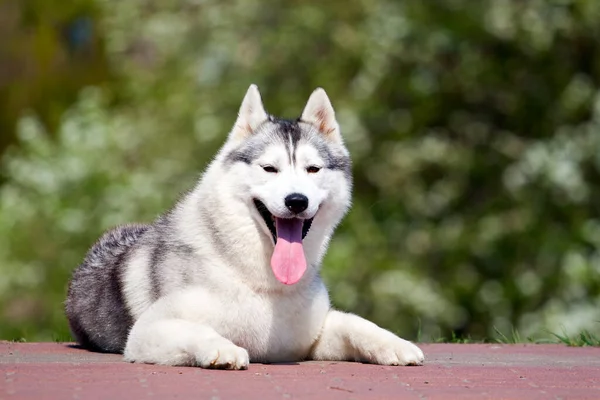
x,y
230,274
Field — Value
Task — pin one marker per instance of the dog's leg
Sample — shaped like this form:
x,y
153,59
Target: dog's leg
x,y
185,343
349,337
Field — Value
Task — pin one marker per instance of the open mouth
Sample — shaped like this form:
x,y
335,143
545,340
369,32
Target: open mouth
x,y
270,220
288,261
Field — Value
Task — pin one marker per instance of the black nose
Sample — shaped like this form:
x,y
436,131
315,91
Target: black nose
x,y
296,202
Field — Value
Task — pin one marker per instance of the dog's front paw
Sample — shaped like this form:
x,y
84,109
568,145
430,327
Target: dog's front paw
x,y
222,354
389,349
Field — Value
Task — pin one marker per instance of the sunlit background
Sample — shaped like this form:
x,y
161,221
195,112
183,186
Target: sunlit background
x,y
474,128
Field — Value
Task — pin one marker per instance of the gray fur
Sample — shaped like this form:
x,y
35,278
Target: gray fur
x,y
335,159
95,308
216,238
292,132
165,250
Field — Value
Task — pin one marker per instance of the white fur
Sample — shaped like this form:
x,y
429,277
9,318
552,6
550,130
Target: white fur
x,y
251,115
136,286
231,309
319,112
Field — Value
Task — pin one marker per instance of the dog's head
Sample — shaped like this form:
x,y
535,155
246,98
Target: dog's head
x,y
297,173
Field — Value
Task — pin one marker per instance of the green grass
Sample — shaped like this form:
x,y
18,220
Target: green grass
x,y
513,338
584,338
454,338
460,339
61,338
56,337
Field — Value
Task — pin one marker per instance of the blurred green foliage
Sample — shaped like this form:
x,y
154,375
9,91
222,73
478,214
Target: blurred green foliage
x,y
474,129
49,49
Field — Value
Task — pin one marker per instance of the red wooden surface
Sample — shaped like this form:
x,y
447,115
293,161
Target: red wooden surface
x,y
451,371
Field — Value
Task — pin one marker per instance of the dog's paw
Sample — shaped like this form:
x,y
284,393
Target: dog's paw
x,y
392,350
222,354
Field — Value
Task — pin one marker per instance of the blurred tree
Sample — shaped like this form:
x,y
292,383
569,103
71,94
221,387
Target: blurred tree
x,y
49,50
473,128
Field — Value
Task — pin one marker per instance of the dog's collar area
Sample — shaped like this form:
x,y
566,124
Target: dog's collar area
x,y
270,220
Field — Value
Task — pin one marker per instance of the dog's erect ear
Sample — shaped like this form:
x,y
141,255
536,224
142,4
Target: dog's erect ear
x,y
251,114
319,112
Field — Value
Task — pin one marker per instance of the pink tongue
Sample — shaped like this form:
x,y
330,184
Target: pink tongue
x,y
288,261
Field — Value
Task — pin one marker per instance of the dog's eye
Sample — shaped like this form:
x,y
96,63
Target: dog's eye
x,y
269,168
313,169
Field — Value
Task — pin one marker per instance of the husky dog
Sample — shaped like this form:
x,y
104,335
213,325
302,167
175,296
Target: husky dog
x,y
231,274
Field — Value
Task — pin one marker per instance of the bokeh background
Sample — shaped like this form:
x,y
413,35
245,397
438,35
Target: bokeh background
x,y
474,128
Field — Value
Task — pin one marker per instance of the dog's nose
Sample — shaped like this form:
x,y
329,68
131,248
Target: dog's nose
x,y
296,202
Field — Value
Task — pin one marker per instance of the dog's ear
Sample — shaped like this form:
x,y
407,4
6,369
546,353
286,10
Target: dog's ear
x,y
251,114
319,112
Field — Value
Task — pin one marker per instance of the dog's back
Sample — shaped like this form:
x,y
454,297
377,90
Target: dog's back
x,y
95,307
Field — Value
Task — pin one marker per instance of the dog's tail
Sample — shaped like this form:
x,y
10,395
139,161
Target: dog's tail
x,y
98,316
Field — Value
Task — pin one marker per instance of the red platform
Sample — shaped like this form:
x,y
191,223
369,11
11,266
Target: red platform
x,y
451,371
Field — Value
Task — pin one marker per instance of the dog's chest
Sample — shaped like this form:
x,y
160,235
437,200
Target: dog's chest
x,y
277,328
